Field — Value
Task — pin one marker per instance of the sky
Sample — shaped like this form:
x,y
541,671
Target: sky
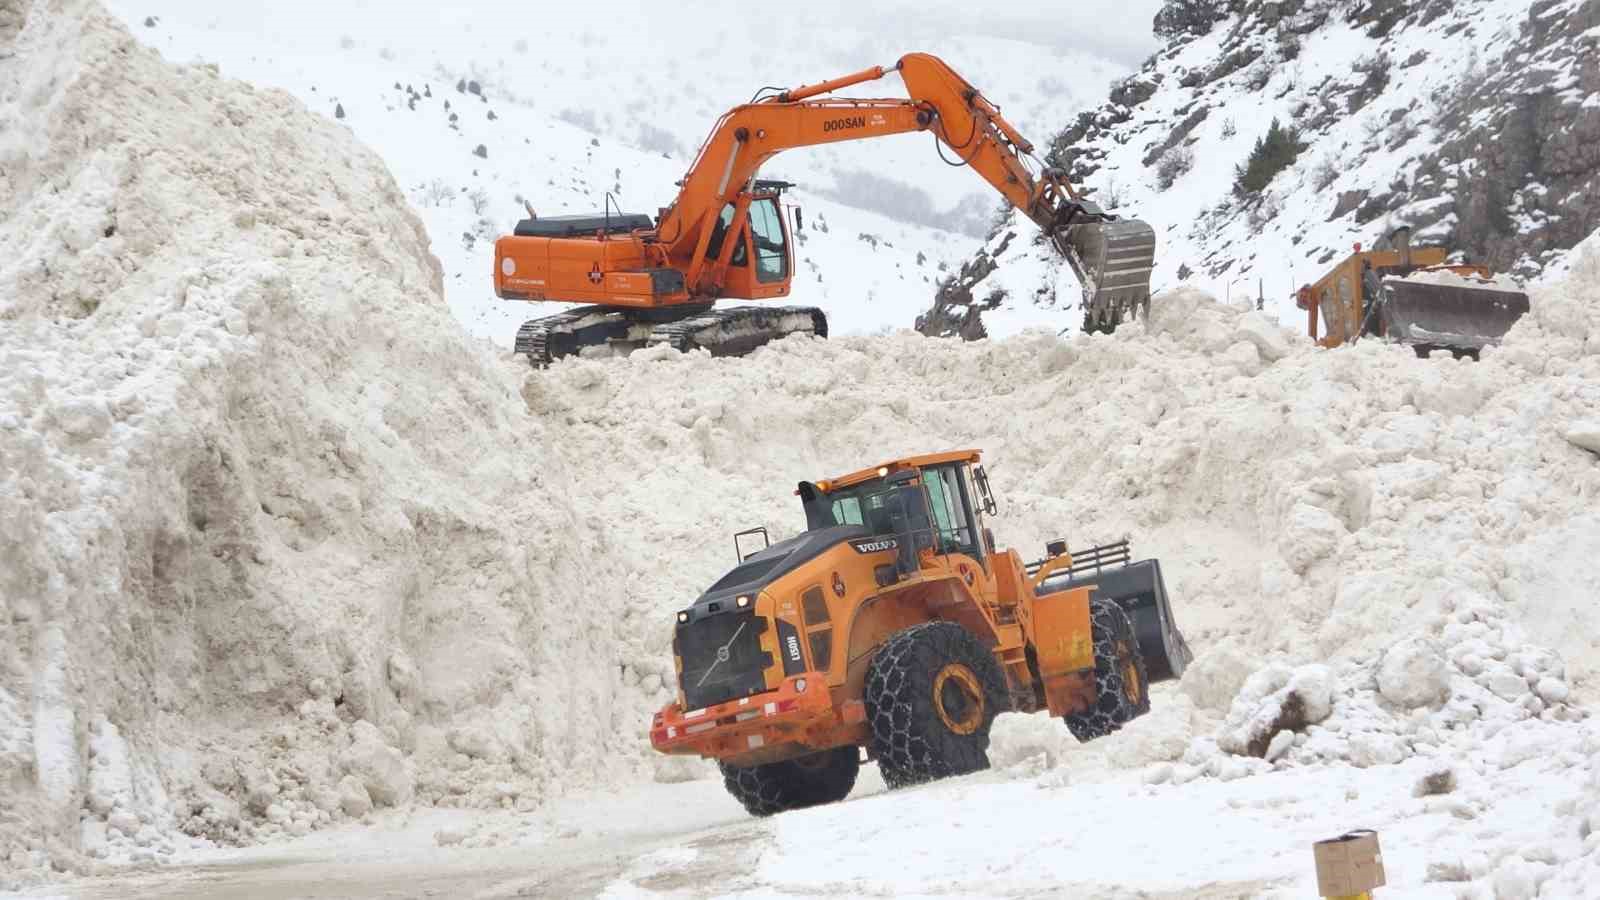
x,y
1118,30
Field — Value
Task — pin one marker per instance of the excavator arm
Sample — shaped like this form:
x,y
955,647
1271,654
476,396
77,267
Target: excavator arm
x,y
657,283
1112,257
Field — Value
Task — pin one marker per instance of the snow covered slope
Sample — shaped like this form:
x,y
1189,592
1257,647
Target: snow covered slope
x,y
1473,121
568,107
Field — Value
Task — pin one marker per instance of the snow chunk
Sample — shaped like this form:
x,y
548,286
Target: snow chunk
x,y
84,419
1215,676
384,771
1275,699
1171,311
1414,673
1585,436
353,797
1267,336
1309,534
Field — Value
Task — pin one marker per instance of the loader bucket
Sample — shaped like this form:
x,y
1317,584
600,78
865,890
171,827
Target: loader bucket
x,y
1139,589
1464,318
1113,260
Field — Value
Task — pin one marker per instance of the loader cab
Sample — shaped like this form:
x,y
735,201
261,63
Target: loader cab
x,y
762,263
936,502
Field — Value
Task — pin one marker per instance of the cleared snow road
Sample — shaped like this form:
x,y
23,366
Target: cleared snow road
x,y
689,840
1014,832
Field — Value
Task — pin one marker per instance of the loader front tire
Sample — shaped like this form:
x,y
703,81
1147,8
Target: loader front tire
x,y
778,787
932,693
1122,689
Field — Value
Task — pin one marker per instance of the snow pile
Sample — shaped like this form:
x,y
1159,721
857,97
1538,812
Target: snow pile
x,y
1395,543
277,543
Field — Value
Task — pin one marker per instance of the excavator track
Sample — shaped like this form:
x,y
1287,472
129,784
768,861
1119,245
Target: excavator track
x,y
738,330
724,332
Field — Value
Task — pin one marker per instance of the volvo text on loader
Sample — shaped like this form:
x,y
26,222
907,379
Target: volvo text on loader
x,y
726,235
894,625
1412,296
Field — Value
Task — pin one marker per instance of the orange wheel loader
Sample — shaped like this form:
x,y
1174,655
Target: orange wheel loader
x,y
892,626
726,236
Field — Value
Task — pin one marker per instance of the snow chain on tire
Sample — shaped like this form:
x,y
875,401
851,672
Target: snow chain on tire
x,y
932,693
1122,690
794,784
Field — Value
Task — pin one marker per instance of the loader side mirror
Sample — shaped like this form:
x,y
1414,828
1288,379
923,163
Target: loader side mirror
x,y
797,225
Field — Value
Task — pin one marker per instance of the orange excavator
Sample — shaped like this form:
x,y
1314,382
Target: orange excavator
x,y
726,236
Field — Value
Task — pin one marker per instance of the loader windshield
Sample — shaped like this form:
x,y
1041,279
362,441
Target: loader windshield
x,y
865,504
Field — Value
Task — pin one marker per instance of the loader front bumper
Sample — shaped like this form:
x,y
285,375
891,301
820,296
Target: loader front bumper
x,y
799,713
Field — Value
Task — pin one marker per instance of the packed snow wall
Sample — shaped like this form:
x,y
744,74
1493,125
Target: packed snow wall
x,y
278,543
257,487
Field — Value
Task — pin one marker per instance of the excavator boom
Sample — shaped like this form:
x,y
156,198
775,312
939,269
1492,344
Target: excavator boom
x,y
702,246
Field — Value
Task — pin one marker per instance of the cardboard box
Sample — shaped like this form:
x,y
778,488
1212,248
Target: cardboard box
x,y
1348,865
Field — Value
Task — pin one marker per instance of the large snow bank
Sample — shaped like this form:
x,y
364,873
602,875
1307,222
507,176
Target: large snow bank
x,y
278,544
273,533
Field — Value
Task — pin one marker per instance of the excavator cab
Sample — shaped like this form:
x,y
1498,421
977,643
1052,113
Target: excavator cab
x,y
763,239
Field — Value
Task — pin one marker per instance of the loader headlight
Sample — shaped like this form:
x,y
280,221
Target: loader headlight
x,y
742,602
683,616
799,685
883,471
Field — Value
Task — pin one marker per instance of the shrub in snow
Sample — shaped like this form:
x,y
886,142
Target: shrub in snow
x,y
1273,152
1174,164
1178,18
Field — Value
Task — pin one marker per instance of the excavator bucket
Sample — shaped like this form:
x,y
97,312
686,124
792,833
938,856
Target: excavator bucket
x,y
1113,260
1462,316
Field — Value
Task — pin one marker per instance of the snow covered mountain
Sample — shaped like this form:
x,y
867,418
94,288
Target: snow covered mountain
x,y
478,106
1476,122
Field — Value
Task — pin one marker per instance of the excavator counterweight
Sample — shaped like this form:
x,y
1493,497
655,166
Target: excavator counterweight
x,y
728,236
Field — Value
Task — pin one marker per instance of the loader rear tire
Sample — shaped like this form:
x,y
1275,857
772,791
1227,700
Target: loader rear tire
x,y
1122,689
812,780
931,695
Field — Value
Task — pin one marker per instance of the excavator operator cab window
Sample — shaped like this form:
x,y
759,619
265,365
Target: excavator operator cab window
x,y
772,252
720,233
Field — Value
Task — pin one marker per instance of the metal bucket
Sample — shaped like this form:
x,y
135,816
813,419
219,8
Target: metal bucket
x,y
1141,592
1113,260
1446,316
